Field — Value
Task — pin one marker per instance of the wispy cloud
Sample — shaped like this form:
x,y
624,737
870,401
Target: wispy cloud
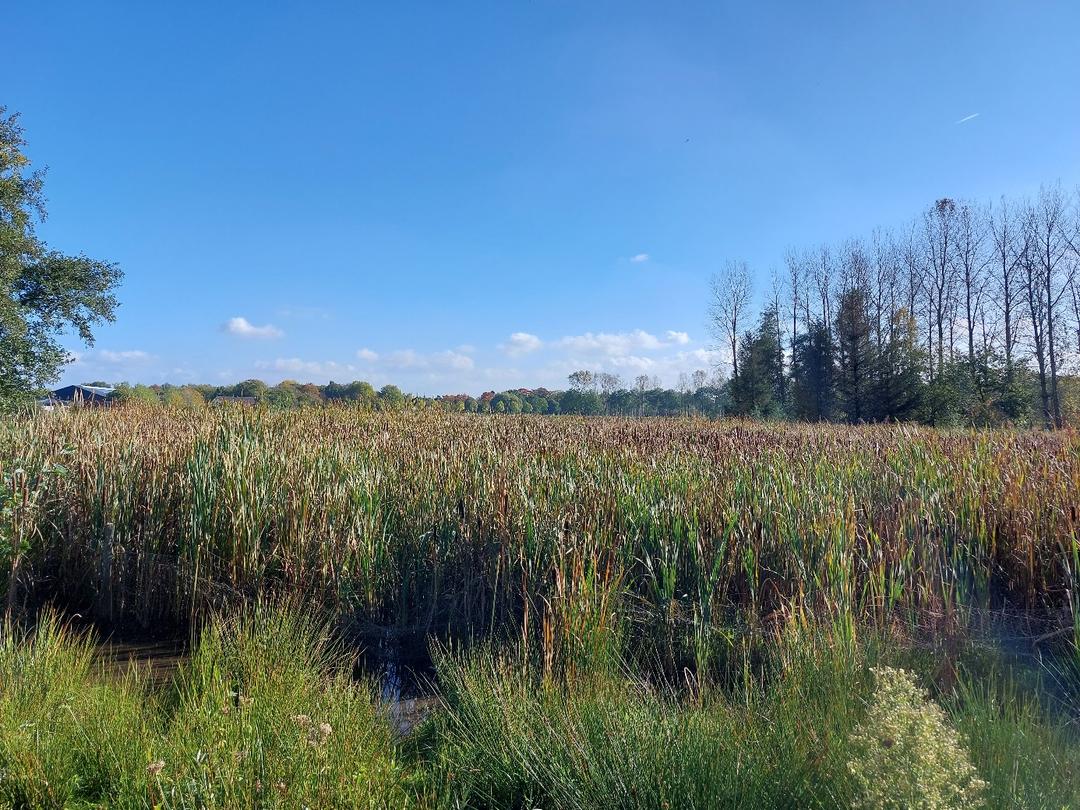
x,y
409,359
967,118
110,357
315,368
521,343
128,356
639,258
367,355
242,327
615,344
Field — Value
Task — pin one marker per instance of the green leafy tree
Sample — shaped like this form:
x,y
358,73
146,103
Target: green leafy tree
x,y
137,393
946,397
506,402
282,396
251,388
578,401
43,293
391,398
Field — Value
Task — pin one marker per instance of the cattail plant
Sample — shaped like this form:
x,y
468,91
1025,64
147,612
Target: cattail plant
x,y
418,522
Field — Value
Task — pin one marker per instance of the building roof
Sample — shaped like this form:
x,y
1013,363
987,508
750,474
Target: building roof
x,y
83,391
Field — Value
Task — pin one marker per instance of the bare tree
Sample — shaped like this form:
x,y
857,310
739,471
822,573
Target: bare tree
x,y
797,281
1009,247
1074,274
1036,306
730,300
971,260
884,274
776,296
911,258
608,383
823,283
1049,225
583,380
939,225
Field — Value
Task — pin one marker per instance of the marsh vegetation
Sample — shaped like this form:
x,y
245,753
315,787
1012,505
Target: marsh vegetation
x,y
659,613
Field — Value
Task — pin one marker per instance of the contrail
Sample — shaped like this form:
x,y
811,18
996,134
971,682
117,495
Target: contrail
x,y
967,118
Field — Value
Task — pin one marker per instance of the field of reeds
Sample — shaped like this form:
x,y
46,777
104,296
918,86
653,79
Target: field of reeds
x,y
420,522
630,612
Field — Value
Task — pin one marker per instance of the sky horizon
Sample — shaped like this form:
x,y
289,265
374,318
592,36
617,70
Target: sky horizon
x,y
484,197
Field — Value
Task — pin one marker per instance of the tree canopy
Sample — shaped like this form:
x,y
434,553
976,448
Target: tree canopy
x,y
43,293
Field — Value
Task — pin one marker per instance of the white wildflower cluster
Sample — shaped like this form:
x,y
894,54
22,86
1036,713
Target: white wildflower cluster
x,y
905,754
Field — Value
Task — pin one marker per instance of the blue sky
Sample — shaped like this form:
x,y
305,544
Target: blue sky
x,y
471,196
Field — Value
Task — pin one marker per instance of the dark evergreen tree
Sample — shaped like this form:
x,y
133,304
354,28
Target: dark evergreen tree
x,y
814,373
759,388
855,357
899,383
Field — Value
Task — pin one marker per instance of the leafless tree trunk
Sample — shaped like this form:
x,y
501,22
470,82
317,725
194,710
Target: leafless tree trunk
x,y
731,298
883,286
939,224
796,282
1009,250
823,282
1049,225
971,262
1074,268
1037,310
911,256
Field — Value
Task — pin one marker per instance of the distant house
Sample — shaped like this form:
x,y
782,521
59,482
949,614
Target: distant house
x,y
92,396
234,401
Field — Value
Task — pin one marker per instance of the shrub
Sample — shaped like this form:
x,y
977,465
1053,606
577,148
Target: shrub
x,y
905,755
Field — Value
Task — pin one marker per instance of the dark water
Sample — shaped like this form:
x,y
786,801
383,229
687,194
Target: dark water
x,y
157,659
406,691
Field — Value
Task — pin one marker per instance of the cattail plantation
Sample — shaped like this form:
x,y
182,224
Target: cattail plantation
x,y
463,525
658,593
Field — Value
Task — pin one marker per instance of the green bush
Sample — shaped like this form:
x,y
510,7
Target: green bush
x,y
905,755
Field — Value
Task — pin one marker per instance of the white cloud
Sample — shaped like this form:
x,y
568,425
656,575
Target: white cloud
x,y
454,360
241,327
109,357
639,258
314,368
406,359
616,344
129,356
967,118
521,343
666,363
367,355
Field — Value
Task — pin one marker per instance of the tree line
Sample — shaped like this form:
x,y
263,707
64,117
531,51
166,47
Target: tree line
x,y
589,393
968,314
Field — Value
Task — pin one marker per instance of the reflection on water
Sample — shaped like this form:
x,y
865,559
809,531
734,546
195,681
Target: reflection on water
x,y
407,695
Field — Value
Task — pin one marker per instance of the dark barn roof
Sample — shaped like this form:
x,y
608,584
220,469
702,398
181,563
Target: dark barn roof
x,y
86,394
